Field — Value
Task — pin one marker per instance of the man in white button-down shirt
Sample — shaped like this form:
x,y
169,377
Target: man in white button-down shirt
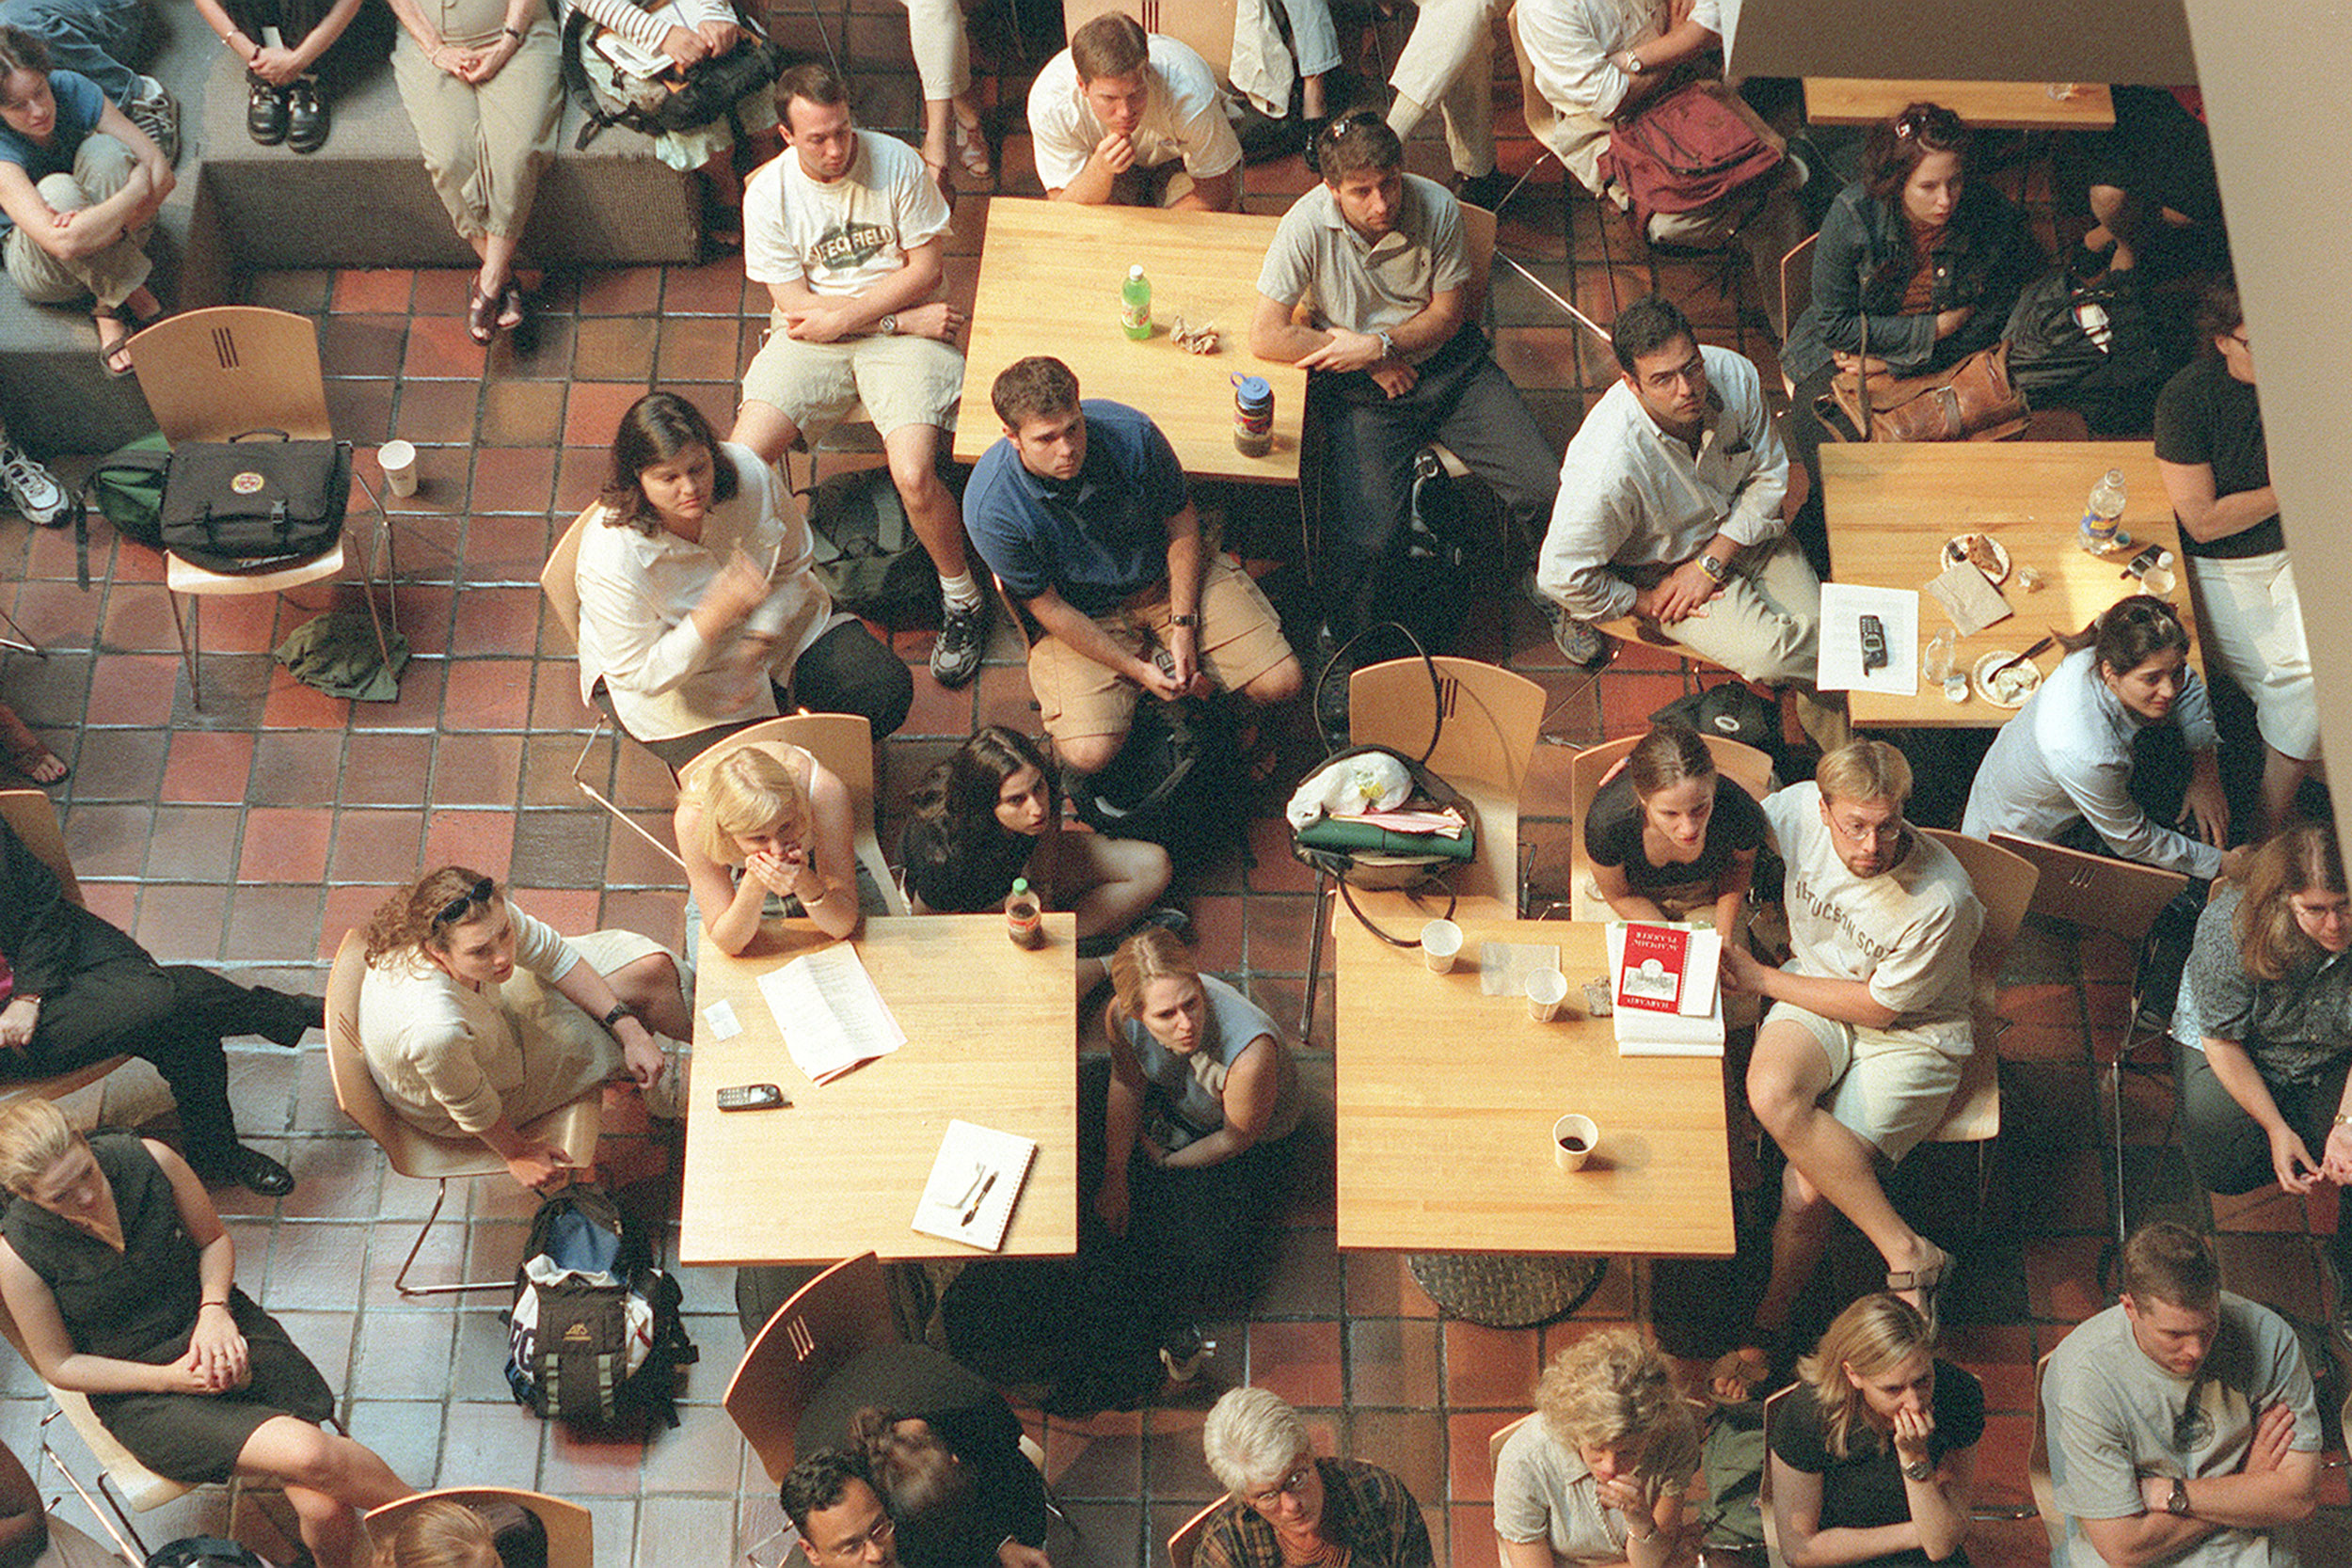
x,y
1674,505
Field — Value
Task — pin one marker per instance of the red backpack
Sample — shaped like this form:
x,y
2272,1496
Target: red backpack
x,y
1687,150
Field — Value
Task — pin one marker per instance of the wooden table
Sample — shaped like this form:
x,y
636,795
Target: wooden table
x,y
1447,1096
989,1041
1050,275
1986,105
1891,505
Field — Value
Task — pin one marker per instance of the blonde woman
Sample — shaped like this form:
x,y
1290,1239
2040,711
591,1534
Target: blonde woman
x,y
766,819
478,1018
1601,1473
1874,1454
122,1281
447,1534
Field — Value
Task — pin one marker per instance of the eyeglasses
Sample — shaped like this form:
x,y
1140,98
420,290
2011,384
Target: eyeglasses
x,y
1290,1485
456,910
854,1548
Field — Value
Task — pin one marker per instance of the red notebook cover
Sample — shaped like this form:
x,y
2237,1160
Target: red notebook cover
x,y
1650,978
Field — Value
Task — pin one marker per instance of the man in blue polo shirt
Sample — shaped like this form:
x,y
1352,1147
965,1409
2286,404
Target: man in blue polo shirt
x,y
1082,512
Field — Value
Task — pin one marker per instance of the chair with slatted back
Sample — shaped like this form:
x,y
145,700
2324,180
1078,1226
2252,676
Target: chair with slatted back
x,y
2004,883
417,1154
1206,26
217,373
33,817
844,744
570,1528
832,1318
1744,766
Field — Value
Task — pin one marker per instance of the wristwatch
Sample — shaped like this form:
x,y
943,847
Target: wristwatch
x,y
2177,1504
1184,620
1920,1469
620,1010
1388,345
1718,572
1633,66
888,327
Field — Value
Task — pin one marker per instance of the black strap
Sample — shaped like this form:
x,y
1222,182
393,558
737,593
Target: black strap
x,y
1413,892
1436,688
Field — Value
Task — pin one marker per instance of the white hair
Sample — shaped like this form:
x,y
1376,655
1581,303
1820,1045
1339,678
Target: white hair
x,y
1251,1439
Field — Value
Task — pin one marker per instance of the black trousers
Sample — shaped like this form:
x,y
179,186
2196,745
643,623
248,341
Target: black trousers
x,y
2229,1149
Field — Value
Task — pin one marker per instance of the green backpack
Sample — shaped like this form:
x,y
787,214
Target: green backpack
x,y
867,554
128,487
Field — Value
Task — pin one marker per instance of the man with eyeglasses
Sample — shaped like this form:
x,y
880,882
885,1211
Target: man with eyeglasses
x,y
1675,501
2182,1424
1395,360
831,1501
1286,1506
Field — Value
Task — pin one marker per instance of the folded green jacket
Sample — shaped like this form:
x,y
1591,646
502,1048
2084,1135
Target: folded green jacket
x,y
1327,834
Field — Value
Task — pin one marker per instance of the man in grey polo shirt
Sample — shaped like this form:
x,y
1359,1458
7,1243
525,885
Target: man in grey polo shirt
x,y
1395,360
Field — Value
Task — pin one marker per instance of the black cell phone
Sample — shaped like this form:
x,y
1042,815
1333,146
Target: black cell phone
x,y
1873,643
750,1096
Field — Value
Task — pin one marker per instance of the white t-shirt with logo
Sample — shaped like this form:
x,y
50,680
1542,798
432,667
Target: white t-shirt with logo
x,y
1908,931
842,236
1184,117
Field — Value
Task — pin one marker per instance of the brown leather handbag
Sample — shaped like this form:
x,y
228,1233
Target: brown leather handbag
x,y
1971,401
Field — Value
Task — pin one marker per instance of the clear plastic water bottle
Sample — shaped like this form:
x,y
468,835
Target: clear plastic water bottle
x,y
1024,920
2103,517
1135,304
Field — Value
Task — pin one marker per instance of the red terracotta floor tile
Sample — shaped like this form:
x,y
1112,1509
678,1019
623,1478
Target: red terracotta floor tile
x,y
208,765
1298,1361
488,693
383,290
286,844
1488,1367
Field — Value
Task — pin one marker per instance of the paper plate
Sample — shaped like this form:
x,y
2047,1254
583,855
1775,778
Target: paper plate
x,y
1956,551
2027,678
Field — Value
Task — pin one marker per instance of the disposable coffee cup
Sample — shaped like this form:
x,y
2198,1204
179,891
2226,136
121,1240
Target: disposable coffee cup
x,y
1572,1141
1440,944
1547,995
398,460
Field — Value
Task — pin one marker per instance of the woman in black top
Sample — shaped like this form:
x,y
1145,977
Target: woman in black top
x,y
1669,837
1874,1451
990,814
122,1282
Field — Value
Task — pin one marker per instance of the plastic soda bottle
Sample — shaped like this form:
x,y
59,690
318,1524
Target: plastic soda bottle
x,y
1135,304
2102,518
1024,920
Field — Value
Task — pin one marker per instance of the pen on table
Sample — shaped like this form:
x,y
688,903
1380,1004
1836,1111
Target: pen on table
x,y
970,1212
978,1171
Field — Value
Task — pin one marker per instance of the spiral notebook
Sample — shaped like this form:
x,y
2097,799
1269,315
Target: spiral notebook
x,y
974,1185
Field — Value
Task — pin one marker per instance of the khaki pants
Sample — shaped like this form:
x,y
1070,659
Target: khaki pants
x,y
101,168
483,146
1766,626
1448,64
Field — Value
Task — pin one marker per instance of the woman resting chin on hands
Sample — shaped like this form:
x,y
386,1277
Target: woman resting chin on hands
x,y
784,819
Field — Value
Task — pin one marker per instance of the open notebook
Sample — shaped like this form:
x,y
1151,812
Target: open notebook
x,y
974,1185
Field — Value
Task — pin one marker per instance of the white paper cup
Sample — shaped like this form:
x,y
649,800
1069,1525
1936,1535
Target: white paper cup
x,y
1440,944
398,460
1572,1141
1547,995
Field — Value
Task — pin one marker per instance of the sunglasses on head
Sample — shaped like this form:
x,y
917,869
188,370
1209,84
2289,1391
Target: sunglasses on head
x,y
456,910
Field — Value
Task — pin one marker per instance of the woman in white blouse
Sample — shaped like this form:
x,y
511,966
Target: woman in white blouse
x,y
700,613
477,1019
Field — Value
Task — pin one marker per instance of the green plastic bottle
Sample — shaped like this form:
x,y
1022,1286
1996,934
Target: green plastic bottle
x,y
1135,304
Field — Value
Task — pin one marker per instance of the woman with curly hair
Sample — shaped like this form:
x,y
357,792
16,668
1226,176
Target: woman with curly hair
x,y
1600,1473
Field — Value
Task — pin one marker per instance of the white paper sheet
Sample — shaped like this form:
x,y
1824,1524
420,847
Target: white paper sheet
x,y
1843,606
832,1015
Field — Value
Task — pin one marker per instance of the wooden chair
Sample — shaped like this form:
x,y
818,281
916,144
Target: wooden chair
x,y
2038,1461
1205,26
843,743
34,818
573,1128
2004,882
1744,766
569,1526
217,373
1796,294
1185,1540
2122,897
1478,240
834,1317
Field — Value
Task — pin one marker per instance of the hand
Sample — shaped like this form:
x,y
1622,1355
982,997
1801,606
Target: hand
x,y
1687,588
542,1168
1951,321
721,36
1012,1553
276,67
216,1351
1913,1428
1741,972
1852,362
1626,1495
778,874
2291,1163
1116,153
640,1054
1152,1150
489,62
1110,1203
938,320
739,588
2233,861
2274,1436
17,1020
2155,1493
1345,351
2203,804
685,46
1161,683
2335,1159
1393,376
752,651
1184,651
453,61
816,323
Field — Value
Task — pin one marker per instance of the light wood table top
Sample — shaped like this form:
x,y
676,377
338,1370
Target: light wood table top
x,y
1447,1098
1987,105
1050,275
990,1039
1891,505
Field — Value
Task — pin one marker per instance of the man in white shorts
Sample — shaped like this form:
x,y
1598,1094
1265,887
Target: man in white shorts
x,y
847,229
1869,1023
1134,117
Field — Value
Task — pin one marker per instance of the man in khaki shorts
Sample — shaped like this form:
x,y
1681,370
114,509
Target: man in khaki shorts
x,y
1082,512
1870,1024
847,229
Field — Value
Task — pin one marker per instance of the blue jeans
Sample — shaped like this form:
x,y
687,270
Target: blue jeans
x,y
93,36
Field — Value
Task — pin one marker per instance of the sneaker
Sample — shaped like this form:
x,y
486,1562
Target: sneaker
x,y
963,639
157,115
264,111
1578,643
307,117
1485,190
33,490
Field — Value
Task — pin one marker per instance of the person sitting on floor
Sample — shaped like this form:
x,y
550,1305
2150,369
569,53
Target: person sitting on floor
x,y
123,1284
80,186
1874,1452
81,991
1135,117
101,39
478,1019
2070,767
1601,1472
991,814
850,238
286,98
767,820
1671,838
1284,1505
700,608
445,1534
1083,512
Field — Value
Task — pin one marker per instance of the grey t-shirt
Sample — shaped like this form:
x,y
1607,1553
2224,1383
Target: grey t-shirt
x,y
1544,1491
2114,1416
1367,285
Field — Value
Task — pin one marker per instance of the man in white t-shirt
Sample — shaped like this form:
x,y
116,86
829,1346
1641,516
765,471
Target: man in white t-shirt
x,y
1869,1023
1115,115
847,229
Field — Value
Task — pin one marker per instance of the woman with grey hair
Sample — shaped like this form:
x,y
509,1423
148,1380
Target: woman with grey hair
x,y
1288,1505
1600,1473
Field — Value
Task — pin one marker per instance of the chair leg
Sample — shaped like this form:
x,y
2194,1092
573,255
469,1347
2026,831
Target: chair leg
x,y
618,815
384,561
1315,953
192,622
400,1280
135,1549
21,642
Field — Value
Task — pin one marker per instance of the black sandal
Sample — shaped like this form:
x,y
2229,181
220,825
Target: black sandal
x,y
109,346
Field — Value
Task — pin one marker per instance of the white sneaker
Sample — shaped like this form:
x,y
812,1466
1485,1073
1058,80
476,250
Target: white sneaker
x,y
156,112
33,490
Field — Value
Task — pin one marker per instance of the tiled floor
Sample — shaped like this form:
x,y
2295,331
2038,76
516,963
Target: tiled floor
x,y
254,834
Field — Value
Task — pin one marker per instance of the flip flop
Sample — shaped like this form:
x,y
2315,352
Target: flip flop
x,y
971,143
481,314
109,345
